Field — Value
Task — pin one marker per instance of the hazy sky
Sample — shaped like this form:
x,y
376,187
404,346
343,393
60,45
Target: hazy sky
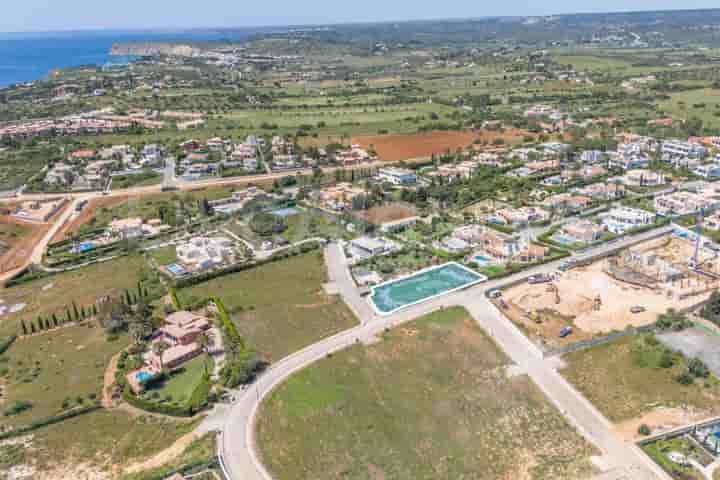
x,y
33,15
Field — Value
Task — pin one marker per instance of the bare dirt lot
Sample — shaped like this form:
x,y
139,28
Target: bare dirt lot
x,y
390,212
17,247
87,213
422,145
595,303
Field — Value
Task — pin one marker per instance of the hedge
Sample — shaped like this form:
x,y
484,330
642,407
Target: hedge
x,y
5,344
228,325
174,298
48,421
172,410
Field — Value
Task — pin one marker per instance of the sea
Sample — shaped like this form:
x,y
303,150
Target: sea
x,y
31,56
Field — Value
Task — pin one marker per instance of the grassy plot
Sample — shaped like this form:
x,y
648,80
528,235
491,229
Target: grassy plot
x,y
164,255
55,371
107,440
703,104
199,451
431,400
625,379
52,294
279,307
308,224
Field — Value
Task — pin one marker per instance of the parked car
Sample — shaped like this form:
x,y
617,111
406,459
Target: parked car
x,y
566,331
539,278
637,309
494,293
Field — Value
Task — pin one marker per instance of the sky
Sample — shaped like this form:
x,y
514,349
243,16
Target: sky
x,y
51,15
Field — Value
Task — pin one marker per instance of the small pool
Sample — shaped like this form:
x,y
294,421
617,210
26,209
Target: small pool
x,y
482,260
391,296
143,376
285,212
84,247
176,269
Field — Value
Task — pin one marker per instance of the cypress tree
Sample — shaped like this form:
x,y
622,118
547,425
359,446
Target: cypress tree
x,y
76,313
94,309
82,312
55,319
32,327
24,327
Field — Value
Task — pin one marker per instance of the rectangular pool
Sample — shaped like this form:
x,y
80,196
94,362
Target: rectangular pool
x,y
432,282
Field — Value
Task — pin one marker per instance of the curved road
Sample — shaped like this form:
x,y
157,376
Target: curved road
x,y
619,460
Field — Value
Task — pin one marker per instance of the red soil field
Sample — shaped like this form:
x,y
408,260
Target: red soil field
x,y
422,145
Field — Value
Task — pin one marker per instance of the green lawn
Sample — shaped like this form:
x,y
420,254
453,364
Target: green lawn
x,y
279,307
430,400
164,255
85,286
56,368
623,380
658,452
181,384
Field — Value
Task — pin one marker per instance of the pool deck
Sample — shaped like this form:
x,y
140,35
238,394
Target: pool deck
x,y
480,278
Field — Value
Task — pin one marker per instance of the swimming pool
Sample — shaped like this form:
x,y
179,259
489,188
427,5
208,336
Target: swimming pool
x,y
143,376
176,269
432,282
285,212
482,260
84,247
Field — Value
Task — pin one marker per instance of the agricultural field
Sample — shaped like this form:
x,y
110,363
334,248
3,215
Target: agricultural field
x,y
278,307
629,380
423,145
52,294
55,371
467,415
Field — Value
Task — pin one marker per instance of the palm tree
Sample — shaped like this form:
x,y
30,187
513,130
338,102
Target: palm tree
x,y
158,349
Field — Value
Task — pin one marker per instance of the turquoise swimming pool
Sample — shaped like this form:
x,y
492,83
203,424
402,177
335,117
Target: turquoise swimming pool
x,y
421,286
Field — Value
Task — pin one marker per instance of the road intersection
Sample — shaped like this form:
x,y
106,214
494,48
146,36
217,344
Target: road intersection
x,y
618,460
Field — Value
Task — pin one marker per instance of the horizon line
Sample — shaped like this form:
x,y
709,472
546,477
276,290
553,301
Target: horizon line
x,y
180,29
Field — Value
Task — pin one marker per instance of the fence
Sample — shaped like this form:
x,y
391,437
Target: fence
x,y
583,344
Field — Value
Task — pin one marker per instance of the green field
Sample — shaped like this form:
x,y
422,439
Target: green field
x,y
85,286
279,307
56,370
430,400
623,380
703,104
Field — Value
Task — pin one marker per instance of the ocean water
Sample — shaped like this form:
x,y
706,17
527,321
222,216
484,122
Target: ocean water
x,y
31,56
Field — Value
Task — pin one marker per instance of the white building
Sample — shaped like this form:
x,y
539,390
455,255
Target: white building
x,y
678,148
711,170
621,219
397,176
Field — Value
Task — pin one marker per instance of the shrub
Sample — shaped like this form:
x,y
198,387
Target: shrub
x,y
698,369
266,224
18,407
684,379
666,359
644,430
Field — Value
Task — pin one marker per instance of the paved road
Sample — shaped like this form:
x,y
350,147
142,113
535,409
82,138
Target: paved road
x,y
620,460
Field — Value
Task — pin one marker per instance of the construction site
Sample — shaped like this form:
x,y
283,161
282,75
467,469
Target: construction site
x,y
630,288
